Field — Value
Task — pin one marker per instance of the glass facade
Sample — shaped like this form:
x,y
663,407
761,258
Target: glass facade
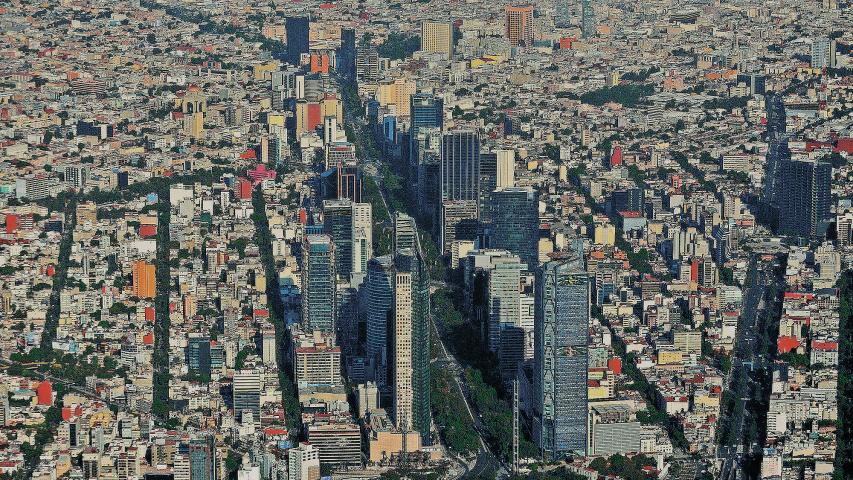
x,y
561,358
515,223
318,283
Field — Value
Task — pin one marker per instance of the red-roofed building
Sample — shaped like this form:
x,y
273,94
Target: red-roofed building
x,y
786,344
260,173
44,393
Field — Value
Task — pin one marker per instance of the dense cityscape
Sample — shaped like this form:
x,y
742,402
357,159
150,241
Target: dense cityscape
x,y
432,239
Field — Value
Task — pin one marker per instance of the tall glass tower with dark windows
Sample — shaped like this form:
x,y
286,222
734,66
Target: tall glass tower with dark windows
x,y
515,223
805,204
337,223
560,358
297,30
318,283
460,165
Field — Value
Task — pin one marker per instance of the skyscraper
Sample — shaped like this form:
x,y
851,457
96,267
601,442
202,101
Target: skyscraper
x,y
318,283
198,354
587,19
506,338
426,110
437,37
560,358
823,53
246,392
807,197
458,222
411,342
202,453
460,165
515,223
380,288
519,25
362,236
346,54
297,29
405,232
338,224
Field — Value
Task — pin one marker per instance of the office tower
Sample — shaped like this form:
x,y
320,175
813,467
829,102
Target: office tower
x,y
269,349
458,222
505,334
181,467
144,279
560,358
405,232
437,37
778,154
318,283
303,462
316,360
91,461
367,65
330,129
562,14
362,236
337,223
337,443
198,354
844,223
504,168
587,19
345,63
380,288
349,182
754,81
460,165
628,200
425,170
297,30
202,456
4,405
426,110
823,53
515,223
77,176
411,342
804,206
519,25
246,391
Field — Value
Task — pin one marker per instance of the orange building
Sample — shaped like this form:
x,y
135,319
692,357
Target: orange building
x,y
144,279
44,393
519,25
319,63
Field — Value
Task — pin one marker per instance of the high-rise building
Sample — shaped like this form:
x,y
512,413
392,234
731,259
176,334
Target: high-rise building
x,y
4,405
458,222
460,165
405,232
144,279
563,14
345,62
367,65
504,168
505,333
437,37
515,223
587,19
362,236
411,343
338,224
198,354
269,349
297,30
560,358
844,223
318,283
316,360
805,204
823,54
519,25
246,391
202,456
380,295
426,110
303,462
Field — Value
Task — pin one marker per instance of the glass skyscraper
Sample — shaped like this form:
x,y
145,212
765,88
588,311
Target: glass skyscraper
x,y
297,29
561,358
318,283
337,223
380,285
515,223
460,165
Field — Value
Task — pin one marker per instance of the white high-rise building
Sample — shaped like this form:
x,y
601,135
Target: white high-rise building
x,y
402,342
362,236
303,462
